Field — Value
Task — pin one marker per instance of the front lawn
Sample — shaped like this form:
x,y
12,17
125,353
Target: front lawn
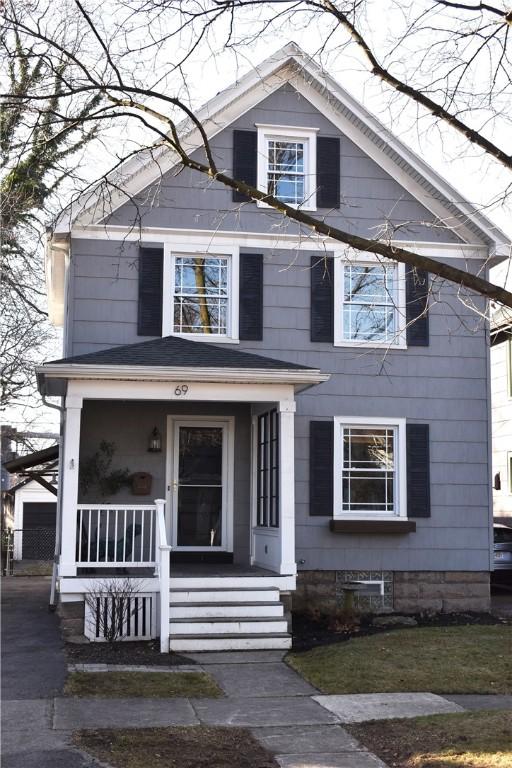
x,y
459,659
150,685
466,740
178,747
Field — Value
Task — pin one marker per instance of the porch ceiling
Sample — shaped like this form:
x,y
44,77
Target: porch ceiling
x,y
170,358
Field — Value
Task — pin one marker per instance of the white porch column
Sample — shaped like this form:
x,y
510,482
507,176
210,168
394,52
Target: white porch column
x,y
70,460
286,410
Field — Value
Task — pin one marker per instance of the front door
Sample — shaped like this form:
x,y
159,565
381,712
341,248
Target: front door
x,y
199,489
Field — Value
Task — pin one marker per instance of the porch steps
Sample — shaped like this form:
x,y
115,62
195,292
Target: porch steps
x,y
225,610
252,642
231,626
224,595
230,618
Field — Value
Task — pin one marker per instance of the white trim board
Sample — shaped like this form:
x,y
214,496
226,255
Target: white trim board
x,y
208,240
79,390
291,64
116,382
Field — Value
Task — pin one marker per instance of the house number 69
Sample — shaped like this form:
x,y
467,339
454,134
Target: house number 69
x,y
181,389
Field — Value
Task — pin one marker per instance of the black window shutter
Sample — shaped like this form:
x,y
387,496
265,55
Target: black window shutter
x,y
321,480
418,470
327,172
416,292
251,297
322,298
149,316
245,160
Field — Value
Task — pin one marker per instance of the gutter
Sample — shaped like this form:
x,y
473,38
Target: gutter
x,y
307,376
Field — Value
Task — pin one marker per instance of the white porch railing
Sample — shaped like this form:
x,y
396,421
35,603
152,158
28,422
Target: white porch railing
x,y
115,536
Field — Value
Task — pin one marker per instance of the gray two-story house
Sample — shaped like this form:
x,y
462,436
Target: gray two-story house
x,y
254,413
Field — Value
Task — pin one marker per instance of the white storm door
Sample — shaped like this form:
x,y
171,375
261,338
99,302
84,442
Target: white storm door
x,y
199,487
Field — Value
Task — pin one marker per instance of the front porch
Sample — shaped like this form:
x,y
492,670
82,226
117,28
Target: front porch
x,y
215,448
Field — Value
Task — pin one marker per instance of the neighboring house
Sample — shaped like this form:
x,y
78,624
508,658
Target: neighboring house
x,y
34,527
364,456
33,503
501,394
7,480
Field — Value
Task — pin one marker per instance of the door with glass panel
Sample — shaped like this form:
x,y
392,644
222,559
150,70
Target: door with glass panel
x,y
199,485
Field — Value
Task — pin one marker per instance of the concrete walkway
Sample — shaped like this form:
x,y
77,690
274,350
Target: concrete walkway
x,y
33,672
301,727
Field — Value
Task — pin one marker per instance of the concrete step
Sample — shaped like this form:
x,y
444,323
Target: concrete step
x,y
229,642
213,595
222,626
275,581
225,610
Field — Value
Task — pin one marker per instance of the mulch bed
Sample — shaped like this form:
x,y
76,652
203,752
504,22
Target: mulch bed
x,y
471,740
130,653
310,632
179,747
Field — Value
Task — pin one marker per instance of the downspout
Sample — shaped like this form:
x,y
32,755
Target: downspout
x,y
53,603
489,444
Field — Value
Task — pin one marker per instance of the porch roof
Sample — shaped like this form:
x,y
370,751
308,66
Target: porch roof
x,y
168,358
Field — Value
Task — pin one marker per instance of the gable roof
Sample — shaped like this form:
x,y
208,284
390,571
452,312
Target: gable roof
x,y
168,357
291,64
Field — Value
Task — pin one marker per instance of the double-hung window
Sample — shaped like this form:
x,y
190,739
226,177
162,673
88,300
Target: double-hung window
x,y
370,303
203,301
287,164
369,468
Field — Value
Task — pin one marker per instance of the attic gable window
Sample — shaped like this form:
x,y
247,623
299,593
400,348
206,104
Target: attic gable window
x,y
287,165
286,171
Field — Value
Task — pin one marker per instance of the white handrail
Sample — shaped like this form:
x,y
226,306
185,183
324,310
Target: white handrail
x,y
162,570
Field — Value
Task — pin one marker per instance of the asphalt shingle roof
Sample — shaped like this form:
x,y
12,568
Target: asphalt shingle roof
x,y
173,351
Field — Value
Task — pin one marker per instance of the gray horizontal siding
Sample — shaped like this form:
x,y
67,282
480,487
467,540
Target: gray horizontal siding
x,y
129,426
443,384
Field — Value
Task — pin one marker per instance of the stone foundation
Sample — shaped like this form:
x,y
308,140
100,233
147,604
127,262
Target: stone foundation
x,y
398,591
72,618
441,591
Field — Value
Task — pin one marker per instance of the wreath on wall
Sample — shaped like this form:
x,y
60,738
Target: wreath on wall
x,y
96,472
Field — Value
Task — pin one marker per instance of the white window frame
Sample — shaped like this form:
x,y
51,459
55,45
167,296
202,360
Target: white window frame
x,y
509,473
400,461
308,135
369,583
205,249
367,259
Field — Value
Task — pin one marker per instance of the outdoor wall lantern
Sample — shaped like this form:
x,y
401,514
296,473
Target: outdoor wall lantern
x,y
155,441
